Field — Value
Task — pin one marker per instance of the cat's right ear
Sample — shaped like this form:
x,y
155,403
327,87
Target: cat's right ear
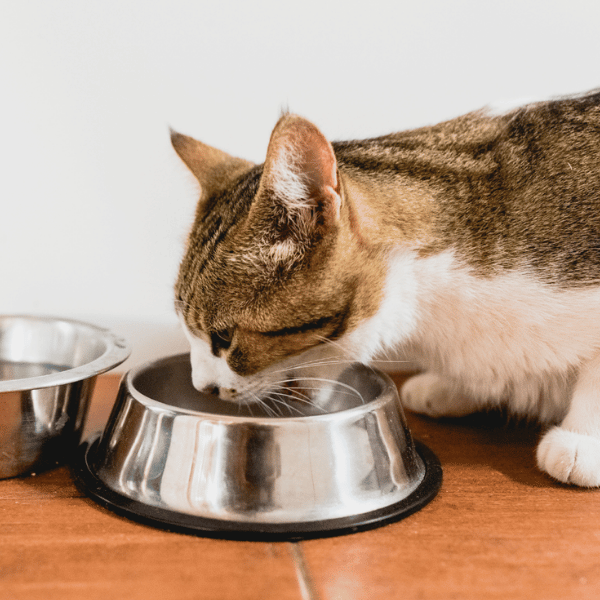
x,y
212,168
300,172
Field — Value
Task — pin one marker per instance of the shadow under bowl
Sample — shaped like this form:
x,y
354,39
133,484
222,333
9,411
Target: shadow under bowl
x,y
176,458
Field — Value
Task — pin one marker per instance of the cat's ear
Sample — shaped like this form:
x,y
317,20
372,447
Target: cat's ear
x,y
211,167
300,170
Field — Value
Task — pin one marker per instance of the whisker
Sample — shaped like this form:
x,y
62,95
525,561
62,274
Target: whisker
x,y
249,407
308,402
283,402
352,392
309,364
271,412
285,391
268,409
317,361
337,345
297,396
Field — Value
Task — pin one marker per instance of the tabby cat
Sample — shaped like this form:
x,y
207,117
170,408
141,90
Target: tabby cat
x,y
472,245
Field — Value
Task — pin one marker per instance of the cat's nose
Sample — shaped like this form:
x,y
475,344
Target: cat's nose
x,y
221,392
227,393
211,389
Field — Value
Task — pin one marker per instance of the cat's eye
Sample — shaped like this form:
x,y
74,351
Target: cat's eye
x,y
316,325
220,340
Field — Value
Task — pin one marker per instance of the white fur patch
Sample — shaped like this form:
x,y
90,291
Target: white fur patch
x,y
396,319
283,252
288,183
430,394
503,339
509,339
207,369
570,457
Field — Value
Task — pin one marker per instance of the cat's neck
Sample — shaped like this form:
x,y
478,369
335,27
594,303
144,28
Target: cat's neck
x,y
408,188
416,189
383,213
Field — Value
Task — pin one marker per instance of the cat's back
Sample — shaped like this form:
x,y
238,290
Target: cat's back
x,y
533,132
550,169
518,190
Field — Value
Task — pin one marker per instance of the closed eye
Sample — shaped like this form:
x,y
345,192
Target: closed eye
x,y
335,323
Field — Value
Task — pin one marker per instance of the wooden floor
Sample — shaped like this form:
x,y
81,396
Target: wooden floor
x,y
498,529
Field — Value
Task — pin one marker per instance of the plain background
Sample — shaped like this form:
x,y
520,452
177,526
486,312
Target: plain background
x,y
95,204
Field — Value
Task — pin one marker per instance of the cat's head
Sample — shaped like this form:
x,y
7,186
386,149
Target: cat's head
x,y
274,273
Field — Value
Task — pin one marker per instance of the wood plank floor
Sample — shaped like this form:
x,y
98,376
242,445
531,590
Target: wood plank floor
x,y
498,529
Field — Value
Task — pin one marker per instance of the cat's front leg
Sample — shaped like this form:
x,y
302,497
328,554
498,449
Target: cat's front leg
x,y
436,396
571,451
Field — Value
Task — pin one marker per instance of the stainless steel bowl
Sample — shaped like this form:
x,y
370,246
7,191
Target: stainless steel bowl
x,y
48,368
180,459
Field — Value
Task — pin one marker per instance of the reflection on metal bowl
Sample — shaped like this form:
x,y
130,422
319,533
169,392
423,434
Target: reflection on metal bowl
x,y
48,368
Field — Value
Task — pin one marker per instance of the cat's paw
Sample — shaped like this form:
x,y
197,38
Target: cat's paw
x,y
432,395
570,457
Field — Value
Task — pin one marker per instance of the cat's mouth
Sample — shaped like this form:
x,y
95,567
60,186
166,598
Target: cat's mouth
x,y
296,392
295,398
291,389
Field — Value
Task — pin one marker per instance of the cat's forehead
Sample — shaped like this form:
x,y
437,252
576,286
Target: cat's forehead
x,y
253,288
216,219
229,202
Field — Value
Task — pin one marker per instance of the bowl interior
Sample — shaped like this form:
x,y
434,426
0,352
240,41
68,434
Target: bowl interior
x,y
35,351
169,382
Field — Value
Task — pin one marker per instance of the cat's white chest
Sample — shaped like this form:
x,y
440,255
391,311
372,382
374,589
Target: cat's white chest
x,y
507,337
506,324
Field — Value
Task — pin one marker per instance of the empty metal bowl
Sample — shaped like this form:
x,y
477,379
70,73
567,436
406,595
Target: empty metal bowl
x,y
174,457
48,368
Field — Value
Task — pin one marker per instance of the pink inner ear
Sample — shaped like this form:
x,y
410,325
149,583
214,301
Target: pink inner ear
x,y
301,167
319,164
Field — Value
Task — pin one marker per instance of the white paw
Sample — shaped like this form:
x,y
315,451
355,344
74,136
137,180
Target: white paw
x,y
570,457
430,394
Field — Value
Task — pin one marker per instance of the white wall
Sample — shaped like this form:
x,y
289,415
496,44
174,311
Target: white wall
x,y
94,203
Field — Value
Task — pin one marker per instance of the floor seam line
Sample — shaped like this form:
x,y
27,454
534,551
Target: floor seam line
x,y
307,586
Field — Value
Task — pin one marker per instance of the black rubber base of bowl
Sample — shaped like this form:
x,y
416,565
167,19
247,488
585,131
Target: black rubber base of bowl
x,y
169,520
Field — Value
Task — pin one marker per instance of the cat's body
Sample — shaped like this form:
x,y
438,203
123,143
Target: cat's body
x,y
473,245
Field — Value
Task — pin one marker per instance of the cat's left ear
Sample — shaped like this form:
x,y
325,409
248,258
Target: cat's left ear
x,y
212,168
300,170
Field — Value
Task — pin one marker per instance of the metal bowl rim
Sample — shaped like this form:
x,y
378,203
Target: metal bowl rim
x,y
388,389
117,351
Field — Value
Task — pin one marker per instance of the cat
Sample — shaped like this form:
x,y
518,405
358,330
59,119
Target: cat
x,y
472,245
